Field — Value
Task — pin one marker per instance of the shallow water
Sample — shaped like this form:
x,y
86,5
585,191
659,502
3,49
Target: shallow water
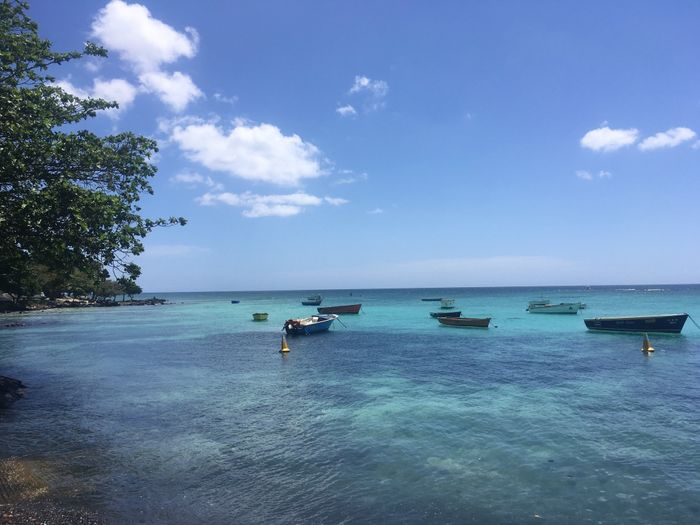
x,y
187,413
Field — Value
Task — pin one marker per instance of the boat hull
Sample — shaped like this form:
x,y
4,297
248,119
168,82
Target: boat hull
x,y
432,299
465,322
310,303
668,323
445,314
260,316
344,309
563,308
309,325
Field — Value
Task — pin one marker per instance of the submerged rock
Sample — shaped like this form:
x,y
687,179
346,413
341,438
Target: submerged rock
x,y
10,391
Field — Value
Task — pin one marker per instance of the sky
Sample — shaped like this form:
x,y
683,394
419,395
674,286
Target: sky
x,y
335,144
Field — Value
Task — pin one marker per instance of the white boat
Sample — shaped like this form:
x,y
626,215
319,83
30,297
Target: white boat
x,y
561,308
447,303
539,302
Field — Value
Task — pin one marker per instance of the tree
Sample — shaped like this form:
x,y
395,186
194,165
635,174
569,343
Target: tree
x,y
128,287
68,199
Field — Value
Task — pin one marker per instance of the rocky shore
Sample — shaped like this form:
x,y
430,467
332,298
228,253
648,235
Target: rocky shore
x,y
69,302
25,498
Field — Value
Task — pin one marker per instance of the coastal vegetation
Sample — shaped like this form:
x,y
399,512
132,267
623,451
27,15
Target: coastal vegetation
x,y
69,198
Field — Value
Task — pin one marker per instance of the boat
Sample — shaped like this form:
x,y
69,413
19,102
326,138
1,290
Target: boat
x,y
470,322
561,308
312,300
432,299
447,303
445,314
344,309
260,316
235,301
663,323
309,325
539,302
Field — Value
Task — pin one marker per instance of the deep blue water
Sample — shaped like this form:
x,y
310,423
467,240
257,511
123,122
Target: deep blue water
x,y
187,413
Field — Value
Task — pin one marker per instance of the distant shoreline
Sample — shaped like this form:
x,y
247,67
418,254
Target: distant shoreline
x,y
38,306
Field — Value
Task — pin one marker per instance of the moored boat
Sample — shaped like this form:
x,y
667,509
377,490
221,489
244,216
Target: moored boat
x,y
447,303
309,325
235,301
432,299
469,322
663,323
445,314
561,308
260,316
312,300
539,302
343,309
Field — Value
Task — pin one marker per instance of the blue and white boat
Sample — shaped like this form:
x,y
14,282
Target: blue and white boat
x,y
309,325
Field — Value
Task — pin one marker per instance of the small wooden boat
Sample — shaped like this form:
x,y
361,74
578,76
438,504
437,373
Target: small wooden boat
x,y
664,323
445,314
260,316
235,301
468,322
309,325
344,309
561,308
312,300
447,303
432,299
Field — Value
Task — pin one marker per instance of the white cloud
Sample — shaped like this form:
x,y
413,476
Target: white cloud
x,y
346,111
606,139
667,139
587,175
376,87
374,92
138,38
351,177
226,100
116,90
258,153
176,90
265,205
375,211
193,180
335,201
146,44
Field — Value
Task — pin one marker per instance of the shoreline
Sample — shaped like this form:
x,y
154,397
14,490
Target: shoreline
x,y
10,308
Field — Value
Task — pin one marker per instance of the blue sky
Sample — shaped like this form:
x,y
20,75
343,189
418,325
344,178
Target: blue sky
x,y
335,144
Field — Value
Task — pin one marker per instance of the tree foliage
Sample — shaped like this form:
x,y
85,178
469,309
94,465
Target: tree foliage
x,y
68,199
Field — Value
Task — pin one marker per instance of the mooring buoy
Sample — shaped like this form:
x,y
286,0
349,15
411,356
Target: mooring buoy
x,y
284,348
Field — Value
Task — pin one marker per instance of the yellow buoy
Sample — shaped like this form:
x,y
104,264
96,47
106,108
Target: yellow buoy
x,y
284,349
646,345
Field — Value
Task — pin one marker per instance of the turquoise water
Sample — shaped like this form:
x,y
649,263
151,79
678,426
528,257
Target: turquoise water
x,y
187,413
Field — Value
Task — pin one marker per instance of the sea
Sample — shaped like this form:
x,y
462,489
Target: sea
x,y
188,413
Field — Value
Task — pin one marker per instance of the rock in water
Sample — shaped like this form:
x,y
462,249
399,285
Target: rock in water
x,y
10,391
